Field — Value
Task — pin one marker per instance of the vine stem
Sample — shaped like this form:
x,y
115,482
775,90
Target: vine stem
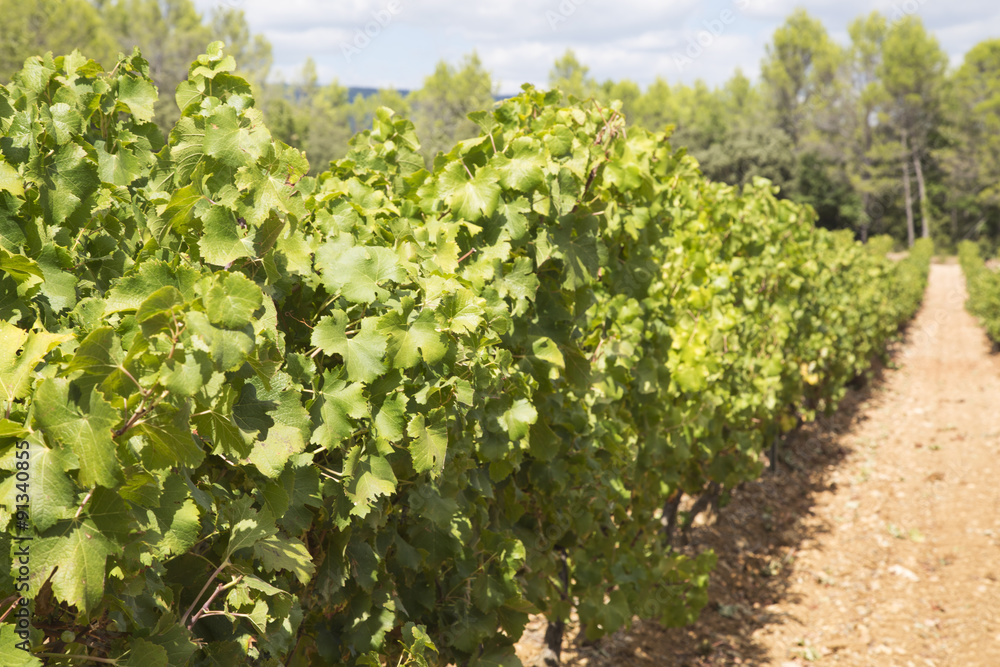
x,y
204,608
103,661
86,499
203,589
17,598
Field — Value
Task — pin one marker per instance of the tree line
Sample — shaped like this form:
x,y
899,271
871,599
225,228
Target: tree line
x,y
879,135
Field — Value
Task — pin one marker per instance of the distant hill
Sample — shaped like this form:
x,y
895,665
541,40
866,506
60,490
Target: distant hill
x,y
355,91
293,90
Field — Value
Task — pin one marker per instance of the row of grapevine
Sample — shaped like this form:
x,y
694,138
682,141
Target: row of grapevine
x,y
382,415
983,285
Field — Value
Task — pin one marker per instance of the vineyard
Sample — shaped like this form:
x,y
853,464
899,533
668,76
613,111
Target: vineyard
x,y
984,289
382,415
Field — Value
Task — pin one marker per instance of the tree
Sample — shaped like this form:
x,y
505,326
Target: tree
x,y
363,107
442,106
252,52
865,95
913,76
34,27
654,108
329,126
804,95
971,156
749,151
741,101
627,92
798,72
572,77
700,115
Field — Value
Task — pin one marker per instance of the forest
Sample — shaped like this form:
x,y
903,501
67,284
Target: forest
x,y
879,135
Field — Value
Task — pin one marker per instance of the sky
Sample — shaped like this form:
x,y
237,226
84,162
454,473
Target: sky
x,y
397,43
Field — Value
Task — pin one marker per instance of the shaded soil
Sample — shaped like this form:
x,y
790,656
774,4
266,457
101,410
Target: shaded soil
x,y
878,541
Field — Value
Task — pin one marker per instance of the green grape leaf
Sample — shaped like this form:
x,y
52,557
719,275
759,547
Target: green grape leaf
x,y
231,302
83,427
74,178
217,425
301,483
362,353
176,518
524,170
186,376
139,95
110,514
228,349
183,530
161,302
390,421
277,418
143,653
119,168
371,477
246,525
429,442
577,245
10,180
222,242
24,270
168,430
470,197
283,553
78,560
52,492
99,353
179,212
339,403
360,272
518,419
408,343
59,286
463,311
20,352
175,638
130,291
13,655
222,131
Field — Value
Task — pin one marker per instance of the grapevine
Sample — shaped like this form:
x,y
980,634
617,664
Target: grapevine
x,y
383,414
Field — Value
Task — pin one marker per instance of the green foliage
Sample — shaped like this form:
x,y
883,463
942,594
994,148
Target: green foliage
x,y
983,285
441,107
385,413
37,26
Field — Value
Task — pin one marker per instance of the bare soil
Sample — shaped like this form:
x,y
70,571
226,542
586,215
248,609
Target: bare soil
x,y
878,540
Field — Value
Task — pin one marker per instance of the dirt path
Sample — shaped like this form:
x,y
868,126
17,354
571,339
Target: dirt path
x,y
878,543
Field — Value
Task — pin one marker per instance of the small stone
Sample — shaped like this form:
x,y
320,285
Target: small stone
x,y
901,571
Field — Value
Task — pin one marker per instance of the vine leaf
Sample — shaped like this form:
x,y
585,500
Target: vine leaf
x,y
429,444
83,427
362,353
20,352
282,553
472,197
78,559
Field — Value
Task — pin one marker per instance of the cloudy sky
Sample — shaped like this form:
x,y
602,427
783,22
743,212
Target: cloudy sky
x,y
396,43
